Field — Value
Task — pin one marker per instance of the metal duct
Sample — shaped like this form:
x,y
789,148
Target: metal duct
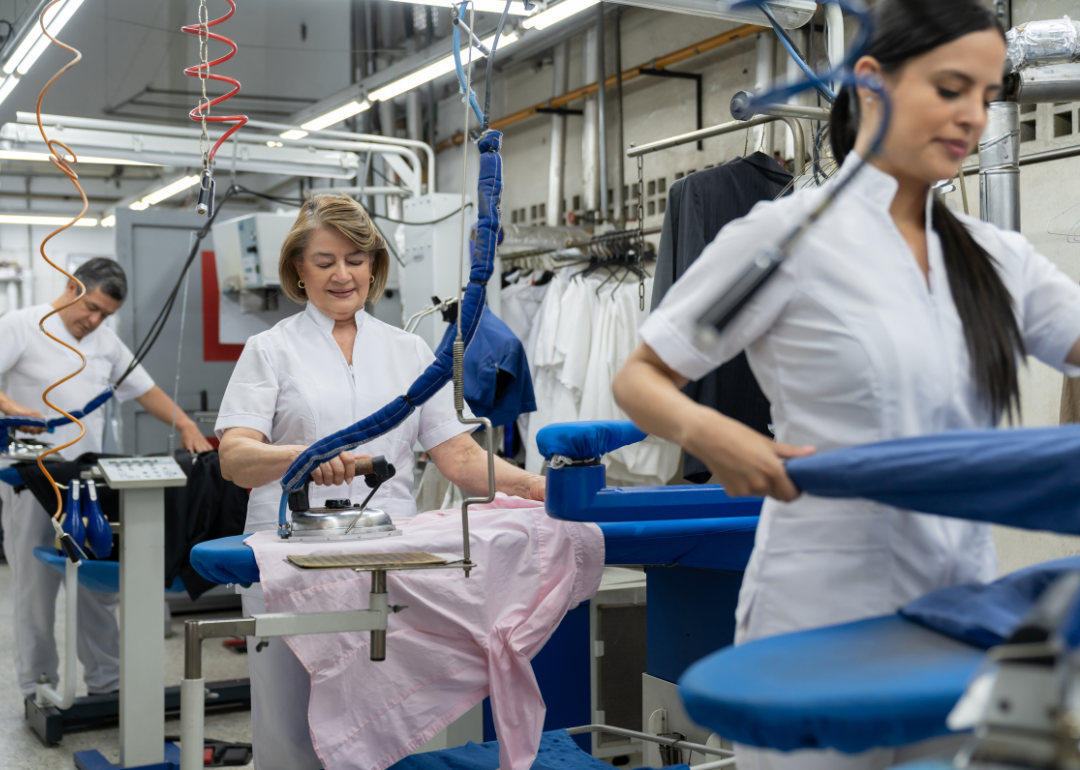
x,y
527,237
999,172
590,137
1054,83
1039,43
557,168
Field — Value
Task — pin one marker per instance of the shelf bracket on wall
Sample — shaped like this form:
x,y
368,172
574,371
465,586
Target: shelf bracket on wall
x,y
558,111
685,76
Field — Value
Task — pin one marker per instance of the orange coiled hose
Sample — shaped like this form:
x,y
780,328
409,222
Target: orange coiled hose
x,y
60,160
203,110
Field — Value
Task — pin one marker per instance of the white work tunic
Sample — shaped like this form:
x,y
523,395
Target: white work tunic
x,y
293,385
30,362
851,346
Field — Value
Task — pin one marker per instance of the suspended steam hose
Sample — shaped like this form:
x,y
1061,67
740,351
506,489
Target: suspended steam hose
x,y
58,156
201,114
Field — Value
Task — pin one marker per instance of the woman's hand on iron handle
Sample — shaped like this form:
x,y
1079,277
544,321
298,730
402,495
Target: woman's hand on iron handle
x,y
338,471
746,463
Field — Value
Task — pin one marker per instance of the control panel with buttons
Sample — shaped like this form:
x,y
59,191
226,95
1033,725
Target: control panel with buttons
x,y
142,472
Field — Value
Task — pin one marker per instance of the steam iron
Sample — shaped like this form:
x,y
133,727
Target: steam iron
x,y
340,519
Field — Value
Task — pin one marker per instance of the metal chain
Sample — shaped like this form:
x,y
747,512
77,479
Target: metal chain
x,y
204,75
641,229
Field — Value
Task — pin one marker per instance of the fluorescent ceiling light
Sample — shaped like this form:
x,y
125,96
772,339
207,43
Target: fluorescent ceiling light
x,y
295,133
35,42
482,6
336,116
439,68
165,192
109,221
8,86
25,219
274,144
557,13
44,156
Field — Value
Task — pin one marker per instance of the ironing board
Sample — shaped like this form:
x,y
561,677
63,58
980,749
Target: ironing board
x,y
879,682
722,544
93,574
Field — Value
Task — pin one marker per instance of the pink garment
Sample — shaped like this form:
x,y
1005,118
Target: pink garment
x,y
459,640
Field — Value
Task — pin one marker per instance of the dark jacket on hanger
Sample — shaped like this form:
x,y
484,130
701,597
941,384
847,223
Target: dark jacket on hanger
x,y
698,208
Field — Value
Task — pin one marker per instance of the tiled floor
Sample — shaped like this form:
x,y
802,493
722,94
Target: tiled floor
x,y
19,745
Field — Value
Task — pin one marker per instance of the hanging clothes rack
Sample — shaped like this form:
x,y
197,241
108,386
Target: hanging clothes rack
x,y
585,246
729,128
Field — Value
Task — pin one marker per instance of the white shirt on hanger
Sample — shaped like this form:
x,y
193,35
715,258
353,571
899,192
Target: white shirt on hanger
x,y
851,346
293,385
30,361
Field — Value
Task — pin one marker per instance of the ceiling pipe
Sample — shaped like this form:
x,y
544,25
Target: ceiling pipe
x,y
662,62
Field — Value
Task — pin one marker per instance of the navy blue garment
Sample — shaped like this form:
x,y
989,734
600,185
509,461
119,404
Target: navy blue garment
x,y
587,439
1026,477
557,752
498,384
986,615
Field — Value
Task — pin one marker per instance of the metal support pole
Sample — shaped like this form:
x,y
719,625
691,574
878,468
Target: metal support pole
x,y
378,597
590,137
999,171
620,180
601,101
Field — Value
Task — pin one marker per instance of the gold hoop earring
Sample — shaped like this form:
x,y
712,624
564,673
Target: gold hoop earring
x,y
300,284
372,279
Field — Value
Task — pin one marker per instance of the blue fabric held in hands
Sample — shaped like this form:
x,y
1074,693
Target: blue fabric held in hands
x,y
557,752
18,422
10,476
707,543
879,682
1023,477
439,373
498,383
584,440
986,615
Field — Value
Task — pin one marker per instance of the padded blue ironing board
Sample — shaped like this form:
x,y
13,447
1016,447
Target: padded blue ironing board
x,y
879,682
723,544
93,574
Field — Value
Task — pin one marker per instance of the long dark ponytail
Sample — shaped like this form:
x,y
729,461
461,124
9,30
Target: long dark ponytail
x,y
903,30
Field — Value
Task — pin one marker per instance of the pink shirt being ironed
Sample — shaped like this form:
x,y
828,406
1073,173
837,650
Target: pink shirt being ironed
x,y
460,639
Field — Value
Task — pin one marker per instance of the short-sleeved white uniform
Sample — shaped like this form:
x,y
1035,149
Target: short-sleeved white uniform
x,y
29,361
851,346
292,384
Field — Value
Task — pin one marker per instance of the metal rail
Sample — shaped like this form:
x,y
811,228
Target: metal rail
x,y
673,743
728,128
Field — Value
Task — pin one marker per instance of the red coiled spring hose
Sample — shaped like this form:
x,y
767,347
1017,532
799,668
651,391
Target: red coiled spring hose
x,y
195,72
201,114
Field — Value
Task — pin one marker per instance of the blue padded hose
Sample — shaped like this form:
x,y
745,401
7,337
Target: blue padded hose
x,y
440,371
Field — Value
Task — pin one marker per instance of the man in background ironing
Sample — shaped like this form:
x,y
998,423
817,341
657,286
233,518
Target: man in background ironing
x,y
29,363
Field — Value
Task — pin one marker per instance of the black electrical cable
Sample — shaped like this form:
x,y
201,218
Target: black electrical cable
x,y
301,201
793,49
166,310
491,66
8,36
159,323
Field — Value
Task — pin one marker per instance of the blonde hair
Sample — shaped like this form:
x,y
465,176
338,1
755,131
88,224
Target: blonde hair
x,y
346,216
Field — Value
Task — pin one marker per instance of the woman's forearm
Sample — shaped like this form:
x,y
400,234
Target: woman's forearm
x,y
464,463
249,462
649,392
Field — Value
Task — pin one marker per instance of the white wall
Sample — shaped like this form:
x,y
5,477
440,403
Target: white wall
x,y
21,243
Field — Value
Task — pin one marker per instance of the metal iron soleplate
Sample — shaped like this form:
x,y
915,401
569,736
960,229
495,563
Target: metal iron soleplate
x,y
366,561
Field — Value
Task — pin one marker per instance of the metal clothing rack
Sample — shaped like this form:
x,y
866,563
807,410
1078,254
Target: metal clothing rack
x,y
592,243
730,128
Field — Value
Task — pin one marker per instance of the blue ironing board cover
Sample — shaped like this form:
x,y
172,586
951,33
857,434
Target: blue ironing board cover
x,y
707,543
588,439
10,476
557,752
879,682
96,575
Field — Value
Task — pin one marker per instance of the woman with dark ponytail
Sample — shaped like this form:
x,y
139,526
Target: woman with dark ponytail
x,y
893,317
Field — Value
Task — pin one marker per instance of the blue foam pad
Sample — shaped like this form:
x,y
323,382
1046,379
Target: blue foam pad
x,y
1022,477
96,575
880,682
708,543
557,752
585,440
